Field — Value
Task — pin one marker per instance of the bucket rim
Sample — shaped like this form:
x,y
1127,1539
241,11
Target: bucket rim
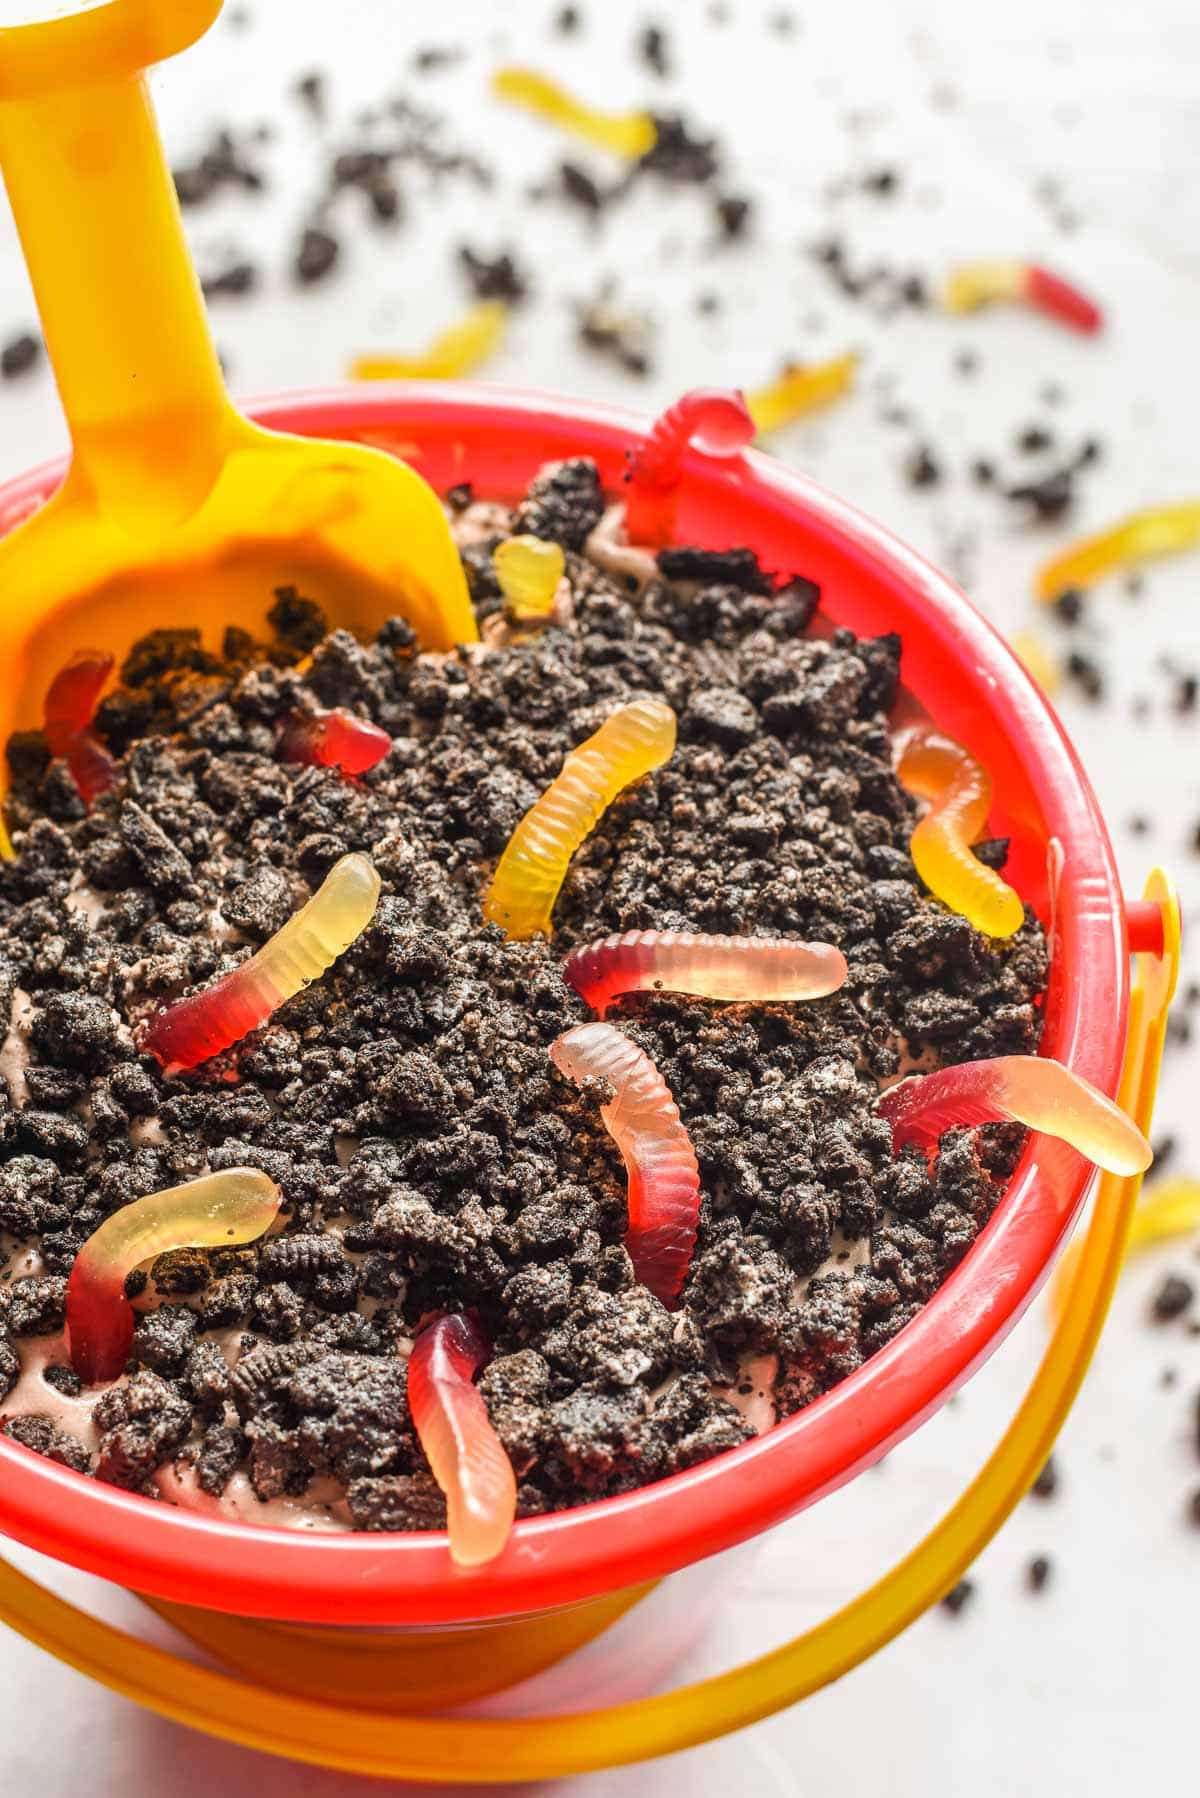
x,y
569,1556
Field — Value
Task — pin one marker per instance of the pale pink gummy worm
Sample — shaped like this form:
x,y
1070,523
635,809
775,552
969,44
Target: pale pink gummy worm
x,y
735,968
1022,1089
467,1457
643,1120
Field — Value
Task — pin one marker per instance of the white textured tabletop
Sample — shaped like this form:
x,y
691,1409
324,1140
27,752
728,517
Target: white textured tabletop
x,y
1065,130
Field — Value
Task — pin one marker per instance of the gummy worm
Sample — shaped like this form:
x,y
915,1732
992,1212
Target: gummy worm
x,y
194,1029
643,1120
235,1206
467,1457
457,351
976,284
1037,661
800,389
1160,531
67,714
637,738
1022,1089
716,420
959,789
712,967
334,739
1172,1209
528,570
631,134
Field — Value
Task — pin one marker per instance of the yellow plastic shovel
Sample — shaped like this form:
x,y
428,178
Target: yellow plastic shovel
x,y
176,510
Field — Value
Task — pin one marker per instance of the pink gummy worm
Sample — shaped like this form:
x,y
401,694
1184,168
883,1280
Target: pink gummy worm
x,y
1023,1089
334,739
1049,293
717,419
643,1120
467,1457
763,968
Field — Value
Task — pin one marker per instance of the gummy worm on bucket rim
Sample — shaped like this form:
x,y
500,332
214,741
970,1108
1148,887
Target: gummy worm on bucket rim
x,y
467,1457
643,1120
636,739
959,790
1022,1089
717,420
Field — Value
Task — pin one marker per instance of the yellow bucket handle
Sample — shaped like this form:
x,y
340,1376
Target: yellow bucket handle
x,y
487,1751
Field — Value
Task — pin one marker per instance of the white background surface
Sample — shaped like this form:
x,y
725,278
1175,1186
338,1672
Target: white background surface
x,y
1091,1686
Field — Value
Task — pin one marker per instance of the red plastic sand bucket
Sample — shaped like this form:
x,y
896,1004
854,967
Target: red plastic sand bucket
x,y
601,1554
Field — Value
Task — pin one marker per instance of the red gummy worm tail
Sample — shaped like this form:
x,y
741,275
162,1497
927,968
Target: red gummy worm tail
x,y
1050,293
99,1321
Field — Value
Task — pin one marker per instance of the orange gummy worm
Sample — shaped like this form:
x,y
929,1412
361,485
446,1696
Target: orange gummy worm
x,y
1022,1089
643,1120
959,789
631,134
529,570
215,1211
800,389
194,1029
637,738
734,968
467,1457
1160,531
456,352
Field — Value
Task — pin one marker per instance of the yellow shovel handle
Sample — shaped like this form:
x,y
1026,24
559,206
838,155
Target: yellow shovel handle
x,y
488,1751
99,223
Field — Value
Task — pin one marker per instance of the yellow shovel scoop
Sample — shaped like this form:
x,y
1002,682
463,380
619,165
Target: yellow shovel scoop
x,y
176,510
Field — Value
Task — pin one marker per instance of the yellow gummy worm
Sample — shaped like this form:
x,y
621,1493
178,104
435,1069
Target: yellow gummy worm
x,y
801,389
959,790
1037,662
975,284
637,738
465,346
631,134
1161,531
529,570
1173,1209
